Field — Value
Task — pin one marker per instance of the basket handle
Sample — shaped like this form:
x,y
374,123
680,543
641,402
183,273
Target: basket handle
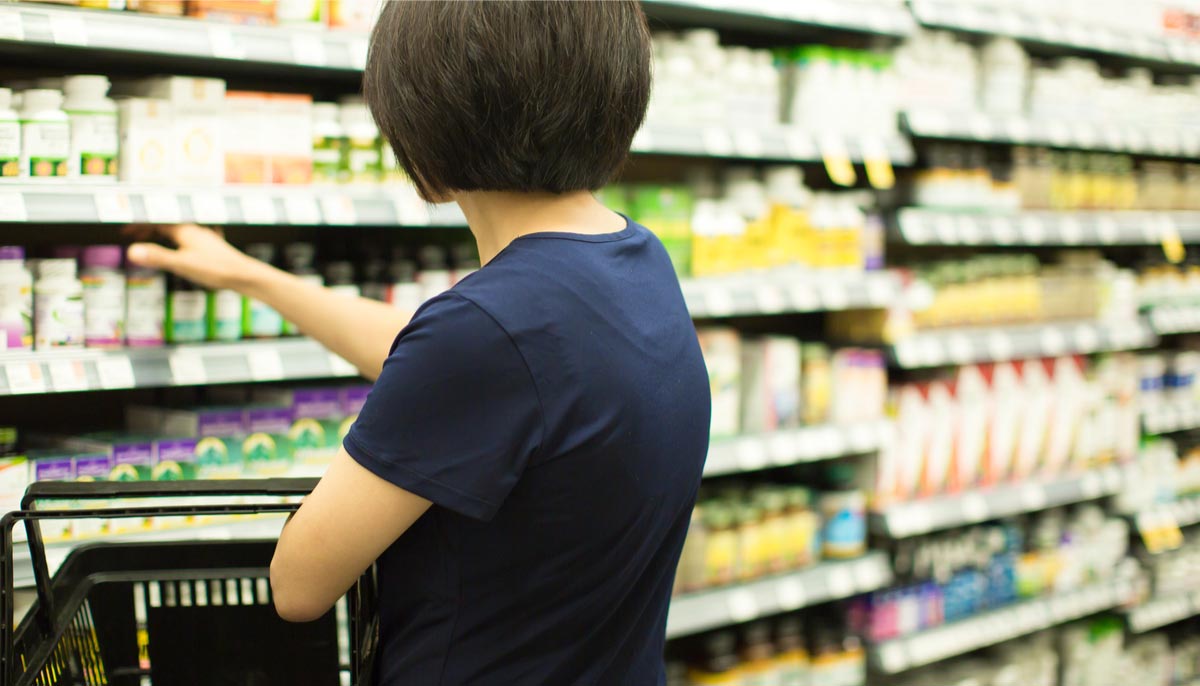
x,y
101,490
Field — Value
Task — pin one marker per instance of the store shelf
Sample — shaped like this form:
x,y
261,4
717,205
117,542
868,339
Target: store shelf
x,y
795,446
946,512
696,612
788,290
1158,612
1021,619
1185,511
780,143
1082,135
878,17
61,371
1001,343
1169,417
1171,319
1049,30
223,205
130,32
920,226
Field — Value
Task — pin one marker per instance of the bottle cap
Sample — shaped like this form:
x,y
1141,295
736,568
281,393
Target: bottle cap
x,y
86,86
102,256
12,252
56,269
299,255
67,252
42,99
325,111
261,251
5,98
339,273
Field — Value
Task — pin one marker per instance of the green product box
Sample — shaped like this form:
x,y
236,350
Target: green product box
x,y
53,465
267,448
91,467
315,433
218,433
667,211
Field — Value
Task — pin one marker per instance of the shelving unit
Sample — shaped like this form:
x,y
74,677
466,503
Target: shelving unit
x,y
780,143
980,127
1173,319
944,512
1002,343
920,226
828,581
1023,618
866,16
1170,417
794,446
1164,610
787,291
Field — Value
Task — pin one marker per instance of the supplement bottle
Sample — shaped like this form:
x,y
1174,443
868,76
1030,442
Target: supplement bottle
x,y
93,117
406,293
339,277
299,259
10,137
224,315
45,135
791,658
103,297
435,276
258,319
16,299
145,307
374,283
58,306
187,312
720,666
721,551
758,653
363,158
329,143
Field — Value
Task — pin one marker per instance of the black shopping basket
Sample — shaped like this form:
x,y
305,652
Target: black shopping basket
x,y
170,613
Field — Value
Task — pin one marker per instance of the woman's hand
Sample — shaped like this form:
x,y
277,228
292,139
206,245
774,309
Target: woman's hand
x,y
201,256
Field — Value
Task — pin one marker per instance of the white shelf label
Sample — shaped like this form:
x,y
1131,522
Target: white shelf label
x,y
835,297
800,145
115,372
751,454
770,299
265,365
258,209
717,142
1059,133
718,302
113,207
25,377
68,375
1032,230
790,593
162,208
981,127
879,291
1106,226
309,49
358,47
1018,130
961,350
341,367
12,204
742,605
187,369
999,347
841,584
747,142
1072,230
68,29
974,508
339,210
1052,342
782,448
1003,230
209,208
223,45
1086,338
10,24
301,210
1033,498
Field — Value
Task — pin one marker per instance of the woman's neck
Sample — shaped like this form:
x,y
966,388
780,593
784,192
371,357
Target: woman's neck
x,y
499,218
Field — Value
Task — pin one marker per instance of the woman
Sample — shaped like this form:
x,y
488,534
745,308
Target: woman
x,y
526,465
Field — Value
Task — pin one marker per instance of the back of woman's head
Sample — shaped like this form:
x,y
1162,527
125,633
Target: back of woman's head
x,y
509,95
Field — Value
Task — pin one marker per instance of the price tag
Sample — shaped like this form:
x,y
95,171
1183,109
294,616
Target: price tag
x,y
717,141
339,210
1049,29
1172,244
823,442
841,585
783,448
880,173
929,123
1000,347
1135,139
1072,230
946,229
974,508
911,520
24,377
1086,339
359,48
891,658
642,140
912,226
748,143
223,45
1033,498
1018,130
790,593
187,369
113,207
770,299
10,24
258,209
1052,342
209,208
12,206
906,354
981,127
1106,226
835,297
115,371
836,159
265,365
960,348
931,352
1105,40
341,367
1060,135
309,49
718,302
1003,230
969,231
751,454
1032,230
868,575
742,605
68,29
1077,35
301,210
162,208
68,375
1113,137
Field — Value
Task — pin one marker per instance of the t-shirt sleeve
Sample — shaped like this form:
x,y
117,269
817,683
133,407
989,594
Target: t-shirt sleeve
x,y
454,416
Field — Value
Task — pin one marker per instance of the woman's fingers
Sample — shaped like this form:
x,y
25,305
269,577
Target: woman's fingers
x,y
153,256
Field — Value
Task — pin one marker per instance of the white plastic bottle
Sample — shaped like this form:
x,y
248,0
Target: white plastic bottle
x,y
58,306
45,135
10,137
145,308
103,297
329,143
363,159
93,117
16,299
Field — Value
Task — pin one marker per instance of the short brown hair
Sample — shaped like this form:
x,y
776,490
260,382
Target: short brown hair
x,y
509,95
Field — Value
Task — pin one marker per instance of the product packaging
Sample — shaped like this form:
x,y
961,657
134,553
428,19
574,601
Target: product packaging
x,y
197,131
94,137
248,137
770,383
289,138
103,296
267,449
317,424
146,133
53,465
10,137
45,135
145,307
722,354
217,431
16,300
58,306
91,467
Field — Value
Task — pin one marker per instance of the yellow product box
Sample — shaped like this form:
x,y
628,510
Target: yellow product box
x,y
247,147
289,135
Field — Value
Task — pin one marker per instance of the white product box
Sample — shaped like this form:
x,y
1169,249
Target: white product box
x,y
145,130
198,137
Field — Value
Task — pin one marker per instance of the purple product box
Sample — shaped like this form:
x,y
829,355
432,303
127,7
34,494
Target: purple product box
x,y
269,420
132,460
95,467
175,459
220,423
316,403
52,468
353,399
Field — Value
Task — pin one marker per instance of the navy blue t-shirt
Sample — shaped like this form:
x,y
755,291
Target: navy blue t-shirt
x,y
554,406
